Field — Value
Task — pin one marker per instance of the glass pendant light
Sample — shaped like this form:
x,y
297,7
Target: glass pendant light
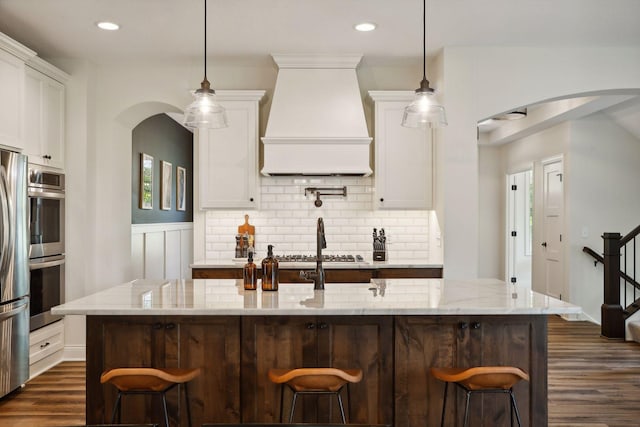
x,y
204,111
424,111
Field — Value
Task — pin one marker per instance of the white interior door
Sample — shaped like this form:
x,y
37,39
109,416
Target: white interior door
x,y
519,227
553,228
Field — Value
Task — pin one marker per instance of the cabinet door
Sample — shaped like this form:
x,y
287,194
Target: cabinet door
x,y
423,343
11,100
273,342
117,342
364,342
54,117
467,341
44,134
228,159
212,344
403,173
519,341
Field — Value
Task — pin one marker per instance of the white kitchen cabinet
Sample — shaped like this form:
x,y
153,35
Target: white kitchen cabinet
x,y
403,156
45,347
228,166
45,103
12,64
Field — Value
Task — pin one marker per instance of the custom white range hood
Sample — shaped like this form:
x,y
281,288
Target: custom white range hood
x,y
316,125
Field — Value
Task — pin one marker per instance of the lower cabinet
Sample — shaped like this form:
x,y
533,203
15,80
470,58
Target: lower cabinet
x,y
394,352
364,342
211,343
467,341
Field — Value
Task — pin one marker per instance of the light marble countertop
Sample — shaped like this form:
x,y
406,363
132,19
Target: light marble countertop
x,y
380,297
366,265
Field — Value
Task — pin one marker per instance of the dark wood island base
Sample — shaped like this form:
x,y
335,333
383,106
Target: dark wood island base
x,y
394,352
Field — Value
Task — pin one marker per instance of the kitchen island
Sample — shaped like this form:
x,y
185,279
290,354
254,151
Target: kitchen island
x,y
393,329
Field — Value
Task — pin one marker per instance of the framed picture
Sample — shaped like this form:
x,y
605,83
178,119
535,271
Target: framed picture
x,y
181,187
146,181
165,188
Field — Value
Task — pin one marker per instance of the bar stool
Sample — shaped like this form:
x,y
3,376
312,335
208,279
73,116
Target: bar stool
x,y
148,381
315,381
483,379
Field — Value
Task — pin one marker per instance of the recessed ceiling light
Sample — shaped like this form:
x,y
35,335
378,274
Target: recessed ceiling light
x,y
365,26
110,26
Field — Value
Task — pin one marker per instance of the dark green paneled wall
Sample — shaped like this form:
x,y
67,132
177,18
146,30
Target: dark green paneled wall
x,y
164,139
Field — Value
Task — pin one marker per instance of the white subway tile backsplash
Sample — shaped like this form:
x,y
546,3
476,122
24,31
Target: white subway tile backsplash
x,y
287,220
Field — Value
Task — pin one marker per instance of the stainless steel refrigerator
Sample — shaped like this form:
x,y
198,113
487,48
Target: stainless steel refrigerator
x,y
14,272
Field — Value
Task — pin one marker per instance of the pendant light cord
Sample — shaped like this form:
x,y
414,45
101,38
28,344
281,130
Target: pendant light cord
x,y
424,39
205,39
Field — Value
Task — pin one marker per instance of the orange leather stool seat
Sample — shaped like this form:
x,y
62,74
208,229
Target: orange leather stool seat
x,y
481,379
149,381
315,381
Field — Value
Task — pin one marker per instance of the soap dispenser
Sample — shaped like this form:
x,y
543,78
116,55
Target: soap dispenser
x,y
270,271
249,274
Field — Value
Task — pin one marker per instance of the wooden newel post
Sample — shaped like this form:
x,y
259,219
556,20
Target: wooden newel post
x,y
611,310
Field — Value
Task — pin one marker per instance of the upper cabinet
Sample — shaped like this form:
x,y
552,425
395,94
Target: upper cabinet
x,y
228,166
403,156
45,103
12,59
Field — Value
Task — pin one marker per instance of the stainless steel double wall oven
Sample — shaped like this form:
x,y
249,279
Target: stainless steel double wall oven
x,y
46,251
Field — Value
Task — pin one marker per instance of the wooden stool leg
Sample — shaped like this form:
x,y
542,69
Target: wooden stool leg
x,y
166,413
515,406
186,397
466,409
293,407
344,421
444,404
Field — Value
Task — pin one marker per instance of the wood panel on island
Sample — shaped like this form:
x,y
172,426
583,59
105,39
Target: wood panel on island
x,y
395,353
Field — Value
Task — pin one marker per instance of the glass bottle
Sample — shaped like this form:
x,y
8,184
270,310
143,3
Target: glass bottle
x,y
270,271
249,274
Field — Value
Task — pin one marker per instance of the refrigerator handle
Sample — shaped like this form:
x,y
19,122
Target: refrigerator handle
x,y
5,244
13,312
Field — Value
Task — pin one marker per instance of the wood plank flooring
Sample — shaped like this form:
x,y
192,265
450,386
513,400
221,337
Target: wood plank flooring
x,y
593,382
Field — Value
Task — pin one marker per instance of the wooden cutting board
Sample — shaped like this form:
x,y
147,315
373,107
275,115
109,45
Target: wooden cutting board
x,y
249,229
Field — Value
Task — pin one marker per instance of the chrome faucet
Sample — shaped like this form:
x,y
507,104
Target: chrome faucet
x,y
317,276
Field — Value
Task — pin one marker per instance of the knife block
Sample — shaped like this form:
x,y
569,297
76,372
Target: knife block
x,y
380,255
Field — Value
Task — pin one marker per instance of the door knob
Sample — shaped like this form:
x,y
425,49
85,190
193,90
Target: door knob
x,y
544,244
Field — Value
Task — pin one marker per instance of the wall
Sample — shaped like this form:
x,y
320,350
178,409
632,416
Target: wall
x,y
287,219
604,197
479,82
165,140
491,182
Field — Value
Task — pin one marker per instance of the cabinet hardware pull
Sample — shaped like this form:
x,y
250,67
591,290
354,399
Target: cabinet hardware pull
x,y
170,326
475,325
157,325
47,344
251,199
382,199
322,325
310,325
463,325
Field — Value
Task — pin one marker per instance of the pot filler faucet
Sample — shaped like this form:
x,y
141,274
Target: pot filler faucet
x,y
317,276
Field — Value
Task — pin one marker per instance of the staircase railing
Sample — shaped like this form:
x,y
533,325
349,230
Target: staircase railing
x,y
620,283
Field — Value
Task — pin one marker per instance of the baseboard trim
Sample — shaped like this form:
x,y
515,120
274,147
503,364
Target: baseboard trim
x,y
75,353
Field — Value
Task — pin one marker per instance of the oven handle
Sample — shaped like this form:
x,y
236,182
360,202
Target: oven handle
x,y
36,192
51,262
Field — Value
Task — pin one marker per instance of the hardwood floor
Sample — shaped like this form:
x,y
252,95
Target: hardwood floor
x,y
592,383
55,398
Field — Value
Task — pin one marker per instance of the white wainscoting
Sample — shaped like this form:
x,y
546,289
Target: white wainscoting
x,y
162,251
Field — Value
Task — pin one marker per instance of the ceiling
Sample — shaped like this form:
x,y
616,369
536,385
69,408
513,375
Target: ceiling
x,y
173,29
250,30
